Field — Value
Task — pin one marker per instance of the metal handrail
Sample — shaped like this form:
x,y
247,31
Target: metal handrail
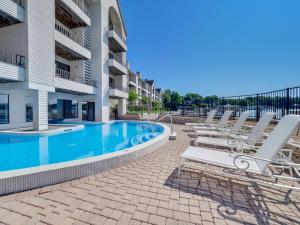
x,y
118,87
111,28
113,56
12,58
76,78
82,6
70,34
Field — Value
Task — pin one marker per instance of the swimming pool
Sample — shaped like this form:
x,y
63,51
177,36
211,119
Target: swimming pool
x,y
19,152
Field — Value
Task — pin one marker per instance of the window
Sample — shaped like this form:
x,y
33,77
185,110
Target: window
x,y
52,109
29,112
4,109
74,109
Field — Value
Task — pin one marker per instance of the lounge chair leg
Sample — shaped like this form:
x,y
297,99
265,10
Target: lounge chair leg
x,y
179,168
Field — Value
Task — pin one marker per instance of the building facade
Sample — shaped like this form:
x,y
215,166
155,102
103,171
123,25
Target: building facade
x,y
143,88
61,60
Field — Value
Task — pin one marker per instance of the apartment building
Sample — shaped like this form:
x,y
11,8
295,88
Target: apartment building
x,y
61,60
143,87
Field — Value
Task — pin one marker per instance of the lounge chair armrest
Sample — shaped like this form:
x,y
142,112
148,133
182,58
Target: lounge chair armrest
x,y
244,164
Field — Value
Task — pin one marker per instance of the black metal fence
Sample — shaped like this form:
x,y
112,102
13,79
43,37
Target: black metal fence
x,y
281,102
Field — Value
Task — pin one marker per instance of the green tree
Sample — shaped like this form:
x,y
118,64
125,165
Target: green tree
x,y
194,99
211,100
166,98
156,105
132,97
144,100
176,100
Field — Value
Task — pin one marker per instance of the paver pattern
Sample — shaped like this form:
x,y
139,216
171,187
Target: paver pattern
x,y
148,191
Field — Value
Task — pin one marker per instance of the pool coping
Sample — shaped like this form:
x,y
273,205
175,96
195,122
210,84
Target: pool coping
x,y
61,130
37,177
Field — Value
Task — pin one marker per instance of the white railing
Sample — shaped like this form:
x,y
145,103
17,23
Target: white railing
x,y
70,34
81,4
118,59
111,28
76,78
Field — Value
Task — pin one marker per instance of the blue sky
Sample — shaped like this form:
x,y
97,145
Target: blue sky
x,y
223,47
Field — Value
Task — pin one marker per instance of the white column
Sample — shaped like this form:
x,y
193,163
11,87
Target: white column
x,y
79,110
40,110
122,106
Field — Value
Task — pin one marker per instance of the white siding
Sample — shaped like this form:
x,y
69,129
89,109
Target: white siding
x,y
118,94
74,86
117,65
11,72
13,10
41,44
70,44
40,110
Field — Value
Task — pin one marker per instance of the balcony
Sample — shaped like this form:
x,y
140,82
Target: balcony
x,y
75,13
70,83
12,67
116,42
116,66
11,12
116,91
69,45
131,83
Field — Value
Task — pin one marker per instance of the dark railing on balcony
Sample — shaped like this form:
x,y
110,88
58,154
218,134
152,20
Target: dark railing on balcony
x,y
113,56
12,58
70,34
79,79
81,4
118,87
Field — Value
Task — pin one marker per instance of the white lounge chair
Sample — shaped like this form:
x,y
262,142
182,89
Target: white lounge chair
x,y
242,166
238,141
221,124
226,132
209,120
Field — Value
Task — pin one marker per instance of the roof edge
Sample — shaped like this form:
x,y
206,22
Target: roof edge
x,y
122,17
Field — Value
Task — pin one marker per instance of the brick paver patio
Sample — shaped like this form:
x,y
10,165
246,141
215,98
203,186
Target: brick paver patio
x,y
148,192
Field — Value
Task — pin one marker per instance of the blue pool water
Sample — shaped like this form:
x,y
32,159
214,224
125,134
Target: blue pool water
x,y
94,140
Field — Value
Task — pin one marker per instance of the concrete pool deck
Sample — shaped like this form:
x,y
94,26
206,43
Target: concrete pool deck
x,y
148,191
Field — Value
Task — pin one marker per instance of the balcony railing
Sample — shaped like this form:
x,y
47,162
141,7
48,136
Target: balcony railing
x,y
113,56
70,34
111,28
12,58
82,6
79,79
118,87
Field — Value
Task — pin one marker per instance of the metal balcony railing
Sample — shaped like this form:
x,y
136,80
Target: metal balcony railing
x,y
118,87
76,78
112,28
12,58
70,34
113,56
81,4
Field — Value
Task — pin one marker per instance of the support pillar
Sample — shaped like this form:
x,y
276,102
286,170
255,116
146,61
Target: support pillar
x,y
40,110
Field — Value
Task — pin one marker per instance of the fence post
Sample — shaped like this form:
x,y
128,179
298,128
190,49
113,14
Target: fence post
x,y
287,106
257,108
